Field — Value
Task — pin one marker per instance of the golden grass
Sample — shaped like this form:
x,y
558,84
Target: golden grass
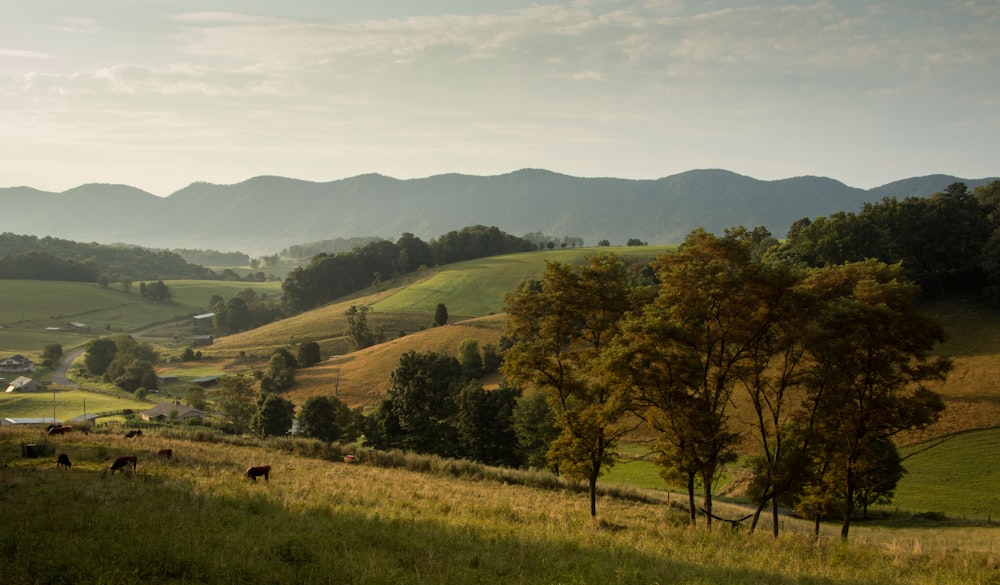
x,y
195,519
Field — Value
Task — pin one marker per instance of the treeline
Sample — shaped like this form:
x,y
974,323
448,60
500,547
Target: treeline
x,y
302,253
51,258
328,277
948,242
212,257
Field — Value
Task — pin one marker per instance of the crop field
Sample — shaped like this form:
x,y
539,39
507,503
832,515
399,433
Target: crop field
x,y
193,518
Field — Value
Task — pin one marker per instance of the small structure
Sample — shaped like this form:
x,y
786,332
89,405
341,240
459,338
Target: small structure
x,y
166,411
205,381
6,422
25,384
17,363
201,340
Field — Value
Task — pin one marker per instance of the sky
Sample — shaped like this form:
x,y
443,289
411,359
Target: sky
x,y
159,94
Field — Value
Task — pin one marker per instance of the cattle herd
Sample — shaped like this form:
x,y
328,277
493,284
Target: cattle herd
x,y
130,463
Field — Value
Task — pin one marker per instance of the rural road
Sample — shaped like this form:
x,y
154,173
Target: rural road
x,y
60,376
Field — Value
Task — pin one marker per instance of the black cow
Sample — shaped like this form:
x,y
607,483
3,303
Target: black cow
x,y
123,463
63,461
133,433
260,470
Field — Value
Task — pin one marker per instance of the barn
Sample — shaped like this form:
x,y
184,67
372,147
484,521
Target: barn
x,y
25,384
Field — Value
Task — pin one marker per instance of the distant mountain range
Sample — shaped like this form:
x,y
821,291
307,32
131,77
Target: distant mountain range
x,y
266,214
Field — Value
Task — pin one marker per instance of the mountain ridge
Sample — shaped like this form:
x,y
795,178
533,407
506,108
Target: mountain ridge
x,y
267,213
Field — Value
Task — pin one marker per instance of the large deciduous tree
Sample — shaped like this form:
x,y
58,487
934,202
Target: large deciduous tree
x,y
561,328
871,354
236,400
273,417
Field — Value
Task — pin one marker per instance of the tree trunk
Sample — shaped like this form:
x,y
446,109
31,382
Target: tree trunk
x,y
593,495
774,516
848,506
691,509
707,481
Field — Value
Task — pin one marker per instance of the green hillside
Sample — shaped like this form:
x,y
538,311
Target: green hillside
x,y
477,287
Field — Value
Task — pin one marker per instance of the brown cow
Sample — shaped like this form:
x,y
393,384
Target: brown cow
x,y
168,453
133,433
255,472
59,429
63,461
123,463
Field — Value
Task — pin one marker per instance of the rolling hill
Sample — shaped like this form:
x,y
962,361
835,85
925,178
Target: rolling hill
x,y
266,214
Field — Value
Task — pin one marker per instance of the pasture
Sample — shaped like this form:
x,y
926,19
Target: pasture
x,y
65,403
194,518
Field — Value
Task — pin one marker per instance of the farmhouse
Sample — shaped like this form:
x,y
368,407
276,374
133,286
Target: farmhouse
x,y
25,384
17,363
165,411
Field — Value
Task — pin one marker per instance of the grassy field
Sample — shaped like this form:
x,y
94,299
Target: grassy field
x,y
194,519
66,404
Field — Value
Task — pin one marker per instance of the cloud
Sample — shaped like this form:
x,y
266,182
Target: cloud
x,y
78,25
24,54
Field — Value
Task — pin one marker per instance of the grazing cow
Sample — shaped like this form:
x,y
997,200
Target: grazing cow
x,y
59,429
133,433
123,463
168,453
255,472
63,461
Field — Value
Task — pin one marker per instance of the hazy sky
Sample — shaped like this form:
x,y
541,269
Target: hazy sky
x,y
161,93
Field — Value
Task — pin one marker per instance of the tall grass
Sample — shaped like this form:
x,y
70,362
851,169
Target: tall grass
x,y
194,519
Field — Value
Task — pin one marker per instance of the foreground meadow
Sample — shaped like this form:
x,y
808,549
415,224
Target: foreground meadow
x,y
194,519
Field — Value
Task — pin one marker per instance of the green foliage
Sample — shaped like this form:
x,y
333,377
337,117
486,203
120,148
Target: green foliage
x,y
440,315
535,428
194,396
560,330
53,352
280,374
273,417
484,421
358,333
328,419
308,354
469,358
236,401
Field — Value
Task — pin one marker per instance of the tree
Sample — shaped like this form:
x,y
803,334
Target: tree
x,y
535,428
440,315
421,397
359,335
99,355
194,396
469,358
280,374
685,353
560,329
484,420
52,352
308,354
318,418
273,417
236,401
870,353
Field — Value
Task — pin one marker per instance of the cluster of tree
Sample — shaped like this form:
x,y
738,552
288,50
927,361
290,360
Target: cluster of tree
x,y
157,291
329,277
303,253
949,242
546,242
267,414
833,360
122,361
212,257
433,407
57,259
244,311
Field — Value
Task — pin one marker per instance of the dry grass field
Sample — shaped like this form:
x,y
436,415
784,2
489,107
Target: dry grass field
x,y
195,519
